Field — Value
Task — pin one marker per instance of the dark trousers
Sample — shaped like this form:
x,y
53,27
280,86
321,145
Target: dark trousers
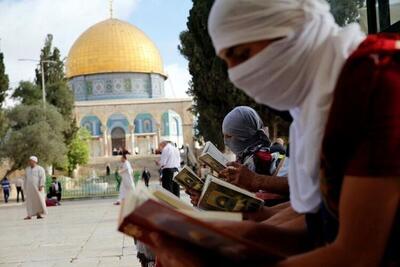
x,y
53,194
146,180
20,191
168,183
6,193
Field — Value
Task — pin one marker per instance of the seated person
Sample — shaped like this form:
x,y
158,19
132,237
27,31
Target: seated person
x,y
244,136
55,190
343,90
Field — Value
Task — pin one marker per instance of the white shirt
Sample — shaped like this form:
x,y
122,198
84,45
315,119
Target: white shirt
x,y
170,157
19,182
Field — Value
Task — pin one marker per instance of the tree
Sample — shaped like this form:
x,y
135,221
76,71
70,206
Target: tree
x,y
53,71
78,150
28,93
58,93
346,11
33,131
3,126
213,94
4,82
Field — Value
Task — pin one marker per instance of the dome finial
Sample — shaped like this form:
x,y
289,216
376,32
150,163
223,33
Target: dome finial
x,y
111,8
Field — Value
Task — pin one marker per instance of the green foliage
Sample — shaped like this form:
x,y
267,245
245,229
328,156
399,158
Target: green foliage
x,y
28,93
3,125
59,95
136,176
54,71
118,179
4,82
214,96
57,92
33,131
78,149
346,11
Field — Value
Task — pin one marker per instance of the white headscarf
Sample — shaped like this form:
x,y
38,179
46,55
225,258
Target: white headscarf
x,y
297,73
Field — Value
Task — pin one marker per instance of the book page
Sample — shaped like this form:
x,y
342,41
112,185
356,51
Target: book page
x,y
215,215
212,162
232,187
213,151
168,198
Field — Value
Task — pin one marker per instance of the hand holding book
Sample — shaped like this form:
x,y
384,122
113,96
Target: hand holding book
x,y
241,176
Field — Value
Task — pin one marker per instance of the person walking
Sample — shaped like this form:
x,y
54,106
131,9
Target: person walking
x,y
35,178
169,163
108,169
146,176
126,173
5,185
20,190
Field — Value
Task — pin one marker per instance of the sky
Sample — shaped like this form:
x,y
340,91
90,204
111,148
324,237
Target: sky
x,y
24,25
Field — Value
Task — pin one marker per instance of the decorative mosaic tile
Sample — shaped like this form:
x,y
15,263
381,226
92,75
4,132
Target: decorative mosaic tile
x,y
99,87
109,86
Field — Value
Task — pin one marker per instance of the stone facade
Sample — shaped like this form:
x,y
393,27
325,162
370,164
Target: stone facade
x,y
135,124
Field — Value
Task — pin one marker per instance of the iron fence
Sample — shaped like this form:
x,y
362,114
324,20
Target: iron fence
x,y
91,187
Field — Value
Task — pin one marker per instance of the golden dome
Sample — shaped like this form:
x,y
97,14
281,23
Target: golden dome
x,y
113,46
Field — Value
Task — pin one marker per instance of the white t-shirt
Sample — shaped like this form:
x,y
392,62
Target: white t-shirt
x,y
170,157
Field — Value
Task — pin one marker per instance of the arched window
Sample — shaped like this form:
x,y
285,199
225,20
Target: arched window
x,y
92,124
118,120
144,123
171,124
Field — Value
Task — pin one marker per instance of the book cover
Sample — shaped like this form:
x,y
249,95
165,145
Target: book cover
x,y
214,158
153,216
188,179
223,196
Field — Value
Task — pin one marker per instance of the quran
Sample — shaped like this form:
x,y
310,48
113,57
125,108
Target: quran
x,y
188,179
223,196
151,215
214,158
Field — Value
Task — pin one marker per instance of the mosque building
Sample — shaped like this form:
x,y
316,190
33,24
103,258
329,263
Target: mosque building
x,y
117,76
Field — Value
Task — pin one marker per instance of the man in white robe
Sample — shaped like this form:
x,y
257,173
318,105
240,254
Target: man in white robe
x,y
35,178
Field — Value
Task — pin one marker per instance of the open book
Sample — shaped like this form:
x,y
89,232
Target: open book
x,y
223,196
142,194
202,236
188,179
214,158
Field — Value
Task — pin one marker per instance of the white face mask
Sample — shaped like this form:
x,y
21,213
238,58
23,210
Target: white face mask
x,y
273,76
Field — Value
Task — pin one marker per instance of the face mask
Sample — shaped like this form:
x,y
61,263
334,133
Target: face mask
x,y
236,146
273,76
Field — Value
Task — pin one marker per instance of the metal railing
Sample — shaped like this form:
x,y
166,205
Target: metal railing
x,y
92,187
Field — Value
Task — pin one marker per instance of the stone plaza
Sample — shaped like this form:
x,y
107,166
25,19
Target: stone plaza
x,y
77,233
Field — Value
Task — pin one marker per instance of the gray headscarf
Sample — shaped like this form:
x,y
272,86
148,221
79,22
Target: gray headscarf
x,y
246,128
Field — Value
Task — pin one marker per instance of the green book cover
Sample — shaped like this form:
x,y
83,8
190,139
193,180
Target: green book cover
x,y
188,179
222,196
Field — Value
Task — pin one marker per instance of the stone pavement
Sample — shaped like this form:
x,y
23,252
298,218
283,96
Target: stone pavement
x,y
78,233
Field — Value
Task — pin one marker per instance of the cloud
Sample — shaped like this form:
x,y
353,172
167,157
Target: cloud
x,y
178,81
24,25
